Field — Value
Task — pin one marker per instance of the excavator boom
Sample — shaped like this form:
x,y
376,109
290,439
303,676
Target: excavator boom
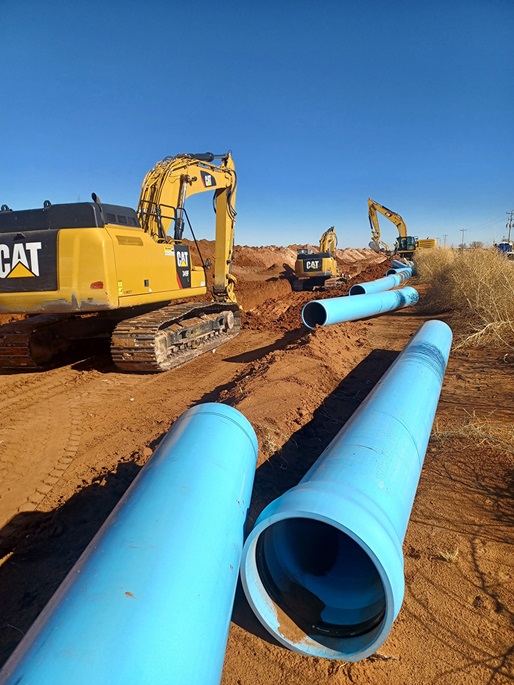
x,y
406,244
161,206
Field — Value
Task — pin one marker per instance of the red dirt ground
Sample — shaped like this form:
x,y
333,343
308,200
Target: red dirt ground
x,y
73,438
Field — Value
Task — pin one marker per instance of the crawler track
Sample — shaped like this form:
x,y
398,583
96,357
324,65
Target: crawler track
x,y
28,344
166,338
158,340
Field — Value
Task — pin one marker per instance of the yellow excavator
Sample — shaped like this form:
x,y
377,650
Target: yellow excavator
x,y
84,270
406,245
317,270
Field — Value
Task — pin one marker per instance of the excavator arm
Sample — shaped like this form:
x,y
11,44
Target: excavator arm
x,y
376,242
328,241
373,208
161,207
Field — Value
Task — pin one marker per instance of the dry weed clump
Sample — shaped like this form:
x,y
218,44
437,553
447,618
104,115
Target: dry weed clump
x,y
480,431
477,287
449,556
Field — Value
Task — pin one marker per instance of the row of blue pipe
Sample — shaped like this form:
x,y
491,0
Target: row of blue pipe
x,y
393,278
365,299
150,599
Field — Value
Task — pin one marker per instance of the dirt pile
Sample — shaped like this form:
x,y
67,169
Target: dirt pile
x,y
265,273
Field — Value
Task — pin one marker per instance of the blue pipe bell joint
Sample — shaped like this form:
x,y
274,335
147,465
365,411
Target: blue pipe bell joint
x,y
405,272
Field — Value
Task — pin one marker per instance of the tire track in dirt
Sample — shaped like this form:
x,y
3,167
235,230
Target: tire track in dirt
x,y
35,456
32,390
59,425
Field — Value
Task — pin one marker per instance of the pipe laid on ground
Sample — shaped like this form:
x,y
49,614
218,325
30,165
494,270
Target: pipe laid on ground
x,y
397,264
406,272
378,285
339,309
150,600
323,568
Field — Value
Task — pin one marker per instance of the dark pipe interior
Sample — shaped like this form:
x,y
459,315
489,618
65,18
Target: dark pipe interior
x,y
321,578
357,290
314,314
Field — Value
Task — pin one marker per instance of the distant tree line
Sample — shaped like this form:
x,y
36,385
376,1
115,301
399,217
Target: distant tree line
x,y
474,244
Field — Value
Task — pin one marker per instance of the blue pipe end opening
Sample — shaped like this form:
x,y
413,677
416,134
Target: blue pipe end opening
x,y
314,314
357,290
317,586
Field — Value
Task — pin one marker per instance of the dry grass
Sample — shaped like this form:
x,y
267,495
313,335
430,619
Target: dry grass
x,y
479,431
448,555
477,287
269,445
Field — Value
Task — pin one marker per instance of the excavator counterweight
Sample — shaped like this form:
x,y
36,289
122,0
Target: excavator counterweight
x,y
318,270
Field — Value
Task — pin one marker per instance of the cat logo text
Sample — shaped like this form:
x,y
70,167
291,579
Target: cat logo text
x,y
21,260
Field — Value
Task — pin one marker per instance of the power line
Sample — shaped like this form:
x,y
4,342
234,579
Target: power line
x,y
487,223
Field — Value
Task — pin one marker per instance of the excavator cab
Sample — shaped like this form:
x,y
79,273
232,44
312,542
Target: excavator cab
x,y
406,244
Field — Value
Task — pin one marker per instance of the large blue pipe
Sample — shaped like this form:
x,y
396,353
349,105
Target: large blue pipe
x,y
378,285
149,602
323,567
339,309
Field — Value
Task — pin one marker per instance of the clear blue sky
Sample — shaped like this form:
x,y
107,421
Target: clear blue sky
x,y
323,105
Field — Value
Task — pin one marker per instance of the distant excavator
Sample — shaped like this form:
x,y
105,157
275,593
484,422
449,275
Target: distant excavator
x,y
405,245
318,270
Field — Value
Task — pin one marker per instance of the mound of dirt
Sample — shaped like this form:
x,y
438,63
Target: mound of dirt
x,y
265,273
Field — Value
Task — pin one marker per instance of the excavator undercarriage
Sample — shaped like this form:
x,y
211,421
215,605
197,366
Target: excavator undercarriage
x,y
169,337
153,341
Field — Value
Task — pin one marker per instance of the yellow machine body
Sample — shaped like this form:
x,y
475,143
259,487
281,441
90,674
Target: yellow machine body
x,y
315,270
315,265
427,243
101,268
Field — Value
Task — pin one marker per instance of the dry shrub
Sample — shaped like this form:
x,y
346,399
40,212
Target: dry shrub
x,y
471,428
477,287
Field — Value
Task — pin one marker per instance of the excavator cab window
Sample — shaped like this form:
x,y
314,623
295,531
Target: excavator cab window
x,y
407,243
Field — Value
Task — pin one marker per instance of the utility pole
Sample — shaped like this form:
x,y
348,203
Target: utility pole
x,y
445,235
463,230
510,223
